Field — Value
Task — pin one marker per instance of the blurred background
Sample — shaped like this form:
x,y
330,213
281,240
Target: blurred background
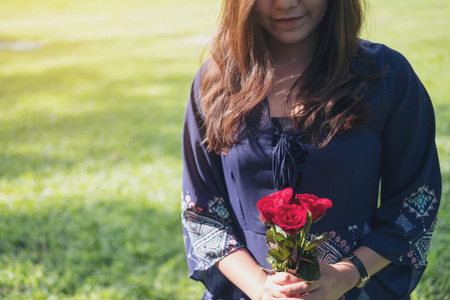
x,y
92,97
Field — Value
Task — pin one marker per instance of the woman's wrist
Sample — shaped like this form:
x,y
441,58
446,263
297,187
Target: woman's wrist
x,y
370,262
258,288
241,269
258,293
349,272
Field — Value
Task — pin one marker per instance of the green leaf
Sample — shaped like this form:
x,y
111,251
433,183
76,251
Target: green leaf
x,y
317,241
270,260
290,264
276,254
285,251
278,267
270,236
300,251
289,243
280,230
309,270
314,251
279,237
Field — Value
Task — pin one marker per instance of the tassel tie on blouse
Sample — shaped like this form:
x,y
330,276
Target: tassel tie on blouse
x,y
284,165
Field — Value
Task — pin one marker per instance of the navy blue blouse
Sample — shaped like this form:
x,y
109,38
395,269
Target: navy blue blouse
x,y
393,154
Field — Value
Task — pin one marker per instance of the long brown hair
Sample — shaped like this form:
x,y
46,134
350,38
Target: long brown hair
x,y
239,75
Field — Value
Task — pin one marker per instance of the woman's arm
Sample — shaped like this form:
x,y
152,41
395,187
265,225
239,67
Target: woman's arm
x,y
241,269
205,215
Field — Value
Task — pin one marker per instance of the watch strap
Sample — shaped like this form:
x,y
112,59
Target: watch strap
x,y
361,269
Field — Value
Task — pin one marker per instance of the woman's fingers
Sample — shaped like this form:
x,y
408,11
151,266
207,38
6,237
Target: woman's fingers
x,y
289,286
282,278
299,288
275,282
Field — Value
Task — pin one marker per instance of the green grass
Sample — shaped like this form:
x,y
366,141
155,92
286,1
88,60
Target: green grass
x,y
90,127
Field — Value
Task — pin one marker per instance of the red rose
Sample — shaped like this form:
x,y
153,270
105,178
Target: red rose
x,y
268,205
285,195
317,206
291,218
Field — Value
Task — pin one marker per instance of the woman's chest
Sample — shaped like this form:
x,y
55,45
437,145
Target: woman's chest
x,y
347,170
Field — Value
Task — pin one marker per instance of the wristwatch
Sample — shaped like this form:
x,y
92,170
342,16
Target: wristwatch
x,y
361,269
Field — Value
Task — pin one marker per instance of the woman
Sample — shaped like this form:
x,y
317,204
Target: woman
x,y
292,97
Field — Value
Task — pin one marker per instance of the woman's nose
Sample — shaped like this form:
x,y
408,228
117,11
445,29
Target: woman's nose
x,y
285,4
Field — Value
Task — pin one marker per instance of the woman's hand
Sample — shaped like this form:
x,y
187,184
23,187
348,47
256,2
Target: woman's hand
x,y
275,283
335,281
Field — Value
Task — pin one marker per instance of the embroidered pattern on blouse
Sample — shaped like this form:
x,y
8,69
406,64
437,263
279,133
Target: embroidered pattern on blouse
x,y
210,234
421,245
352,227
186,201
211,238
403,222
329,253
363,296
218,207
421,202
333,250
366,229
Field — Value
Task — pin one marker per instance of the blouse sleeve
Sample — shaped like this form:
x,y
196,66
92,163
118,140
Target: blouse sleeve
x,y
208,233
410,182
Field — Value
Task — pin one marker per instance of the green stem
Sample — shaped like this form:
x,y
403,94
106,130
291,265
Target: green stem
x,y
306,229
302,235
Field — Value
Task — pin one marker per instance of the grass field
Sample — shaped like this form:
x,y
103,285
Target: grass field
x,y
92,96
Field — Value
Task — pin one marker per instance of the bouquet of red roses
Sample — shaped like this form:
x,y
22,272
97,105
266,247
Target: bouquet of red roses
x,y
289,217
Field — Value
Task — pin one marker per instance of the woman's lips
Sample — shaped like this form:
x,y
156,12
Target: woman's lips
x,y
288,21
